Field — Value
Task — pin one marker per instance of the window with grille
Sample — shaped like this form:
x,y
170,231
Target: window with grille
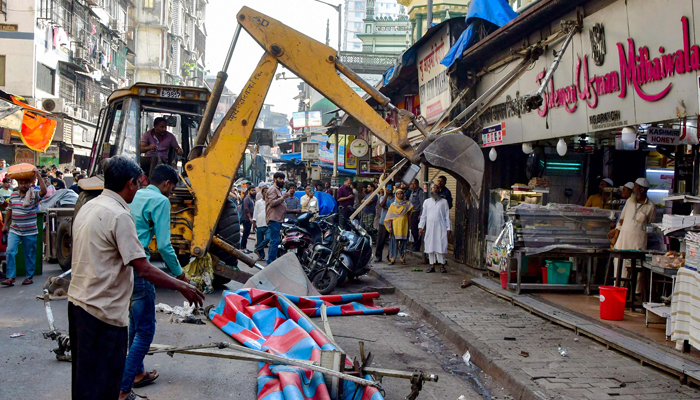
x,y
45,78
148,3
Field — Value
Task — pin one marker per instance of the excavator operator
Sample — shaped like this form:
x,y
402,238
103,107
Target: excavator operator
x,y
156,144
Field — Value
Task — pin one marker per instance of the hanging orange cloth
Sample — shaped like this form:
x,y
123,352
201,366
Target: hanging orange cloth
x,y
38,126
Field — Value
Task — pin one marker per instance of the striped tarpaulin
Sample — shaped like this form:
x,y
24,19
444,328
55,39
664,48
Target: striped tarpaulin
x,y
261,320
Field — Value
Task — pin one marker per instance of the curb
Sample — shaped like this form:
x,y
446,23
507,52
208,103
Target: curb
x,y
517,384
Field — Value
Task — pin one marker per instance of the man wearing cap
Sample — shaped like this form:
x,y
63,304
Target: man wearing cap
x,y
626,192
598,200
638,212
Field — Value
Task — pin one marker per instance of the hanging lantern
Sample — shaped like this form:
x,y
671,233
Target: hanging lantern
x,y
562,147
493,154
629,134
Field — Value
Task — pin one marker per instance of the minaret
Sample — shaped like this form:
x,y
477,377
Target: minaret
x,y
370,9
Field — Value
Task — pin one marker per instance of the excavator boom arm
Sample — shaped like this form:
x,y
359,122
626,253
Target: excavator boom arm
x,y
212,174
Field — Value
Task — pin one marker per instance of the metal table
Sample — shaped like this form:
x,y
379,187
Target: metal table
x,y
588,254
660,313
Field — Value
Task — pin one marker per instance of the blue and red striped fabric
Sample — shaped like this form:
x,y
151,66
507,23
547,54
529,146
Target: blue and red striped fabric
x,y
261,320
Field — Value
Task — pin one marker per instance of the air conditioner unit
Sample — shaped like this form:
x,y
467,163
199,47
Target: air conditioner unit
x,y
80,53
52,105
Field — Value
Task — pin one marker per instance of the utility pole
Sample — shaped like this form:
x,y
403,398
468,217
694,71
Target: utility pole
x,y
328,32
429,17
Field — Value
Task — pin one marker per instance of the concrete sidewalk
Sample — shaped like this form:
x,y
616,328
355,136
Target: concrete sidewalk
x,y
496,333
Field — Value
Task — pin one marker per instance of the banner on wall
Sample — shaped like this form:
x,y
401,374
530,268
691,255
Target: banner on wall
x,y
433,82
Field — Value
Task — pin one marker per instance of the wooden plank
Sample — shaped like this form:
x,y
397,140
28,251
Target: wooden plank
x,y
635,348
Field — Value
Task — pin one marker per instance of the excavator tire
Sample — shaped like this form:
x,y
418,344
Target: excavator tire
x,y
229,228
64,245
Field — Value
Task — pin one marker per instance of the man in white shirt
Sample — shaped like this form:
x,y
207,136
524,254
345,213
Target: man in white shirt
x,y
260,225
309,203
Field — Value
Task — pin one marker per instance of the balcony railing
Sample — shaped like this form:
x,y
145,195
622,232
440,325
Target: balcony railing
x,y
367,62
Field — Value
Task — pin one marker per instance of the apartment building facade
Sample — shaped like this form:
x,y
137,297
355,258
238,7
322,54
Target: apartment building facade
x,y
356,12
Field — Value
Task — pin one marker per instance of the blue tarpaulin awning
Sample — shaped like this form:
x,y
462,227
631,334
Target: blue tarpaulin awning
x,y
496,12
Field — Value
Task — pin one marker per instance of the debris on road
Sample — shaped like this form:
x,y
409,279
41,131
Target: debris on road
x,y
508,338
190,320
183,312
402,314
416,269
524,354
563,351
466,357
16,335
466,283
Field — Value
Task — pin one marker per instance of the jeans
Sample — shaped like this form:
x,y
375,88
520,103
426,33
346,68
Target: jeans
x,y
29,243
397,246
273,230
415,220
246,232
98,351
381,241
142,328
263,238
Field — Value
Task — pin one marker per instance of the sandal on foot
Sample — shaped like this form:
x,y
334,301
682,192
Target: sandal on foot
x,y
403,262
430,270
27,281
443,269
8,282
147,380
391,262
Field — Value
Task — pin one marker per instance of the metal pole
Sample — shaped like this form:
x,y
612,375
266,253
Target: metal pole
x,y
337,150
429,17
340,23
210,110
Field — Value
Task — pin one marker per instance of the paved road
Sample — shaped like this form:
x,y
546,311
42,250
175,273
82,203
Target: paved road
x,y
31,371
501,331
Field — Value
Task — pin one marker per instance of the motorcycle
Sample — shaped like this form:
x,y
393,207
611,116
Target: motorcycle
x,y
357,253
347,257
300,238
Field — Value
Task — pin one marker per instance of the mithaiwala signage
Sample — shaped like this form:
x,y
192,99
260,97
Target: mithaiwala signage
x,y
637,68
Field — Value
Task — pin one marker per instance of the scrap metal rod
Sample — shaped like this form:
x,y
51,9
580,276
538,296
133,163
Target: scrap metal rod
x,y
270,358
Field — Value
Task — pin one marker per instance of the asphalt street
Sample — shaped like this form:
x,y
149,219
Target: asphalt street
x,y
397,342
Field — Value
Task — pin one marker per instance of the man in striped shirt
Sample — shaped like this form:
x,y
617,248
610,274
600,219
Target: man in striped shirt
x,y
20,222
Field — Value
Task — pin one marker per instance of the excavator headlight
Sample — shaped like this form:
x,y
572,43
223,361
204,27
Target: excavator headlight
x,y
203,96
189,95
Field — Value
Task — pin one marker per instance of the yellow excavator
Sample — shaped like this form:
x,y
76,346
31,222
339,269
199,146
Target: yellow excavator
x,y
203,217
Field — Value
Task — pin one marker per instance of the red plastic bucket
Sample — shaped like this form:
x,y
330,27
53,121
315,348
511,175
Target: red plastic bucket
x,y
544,275
504,278
612,302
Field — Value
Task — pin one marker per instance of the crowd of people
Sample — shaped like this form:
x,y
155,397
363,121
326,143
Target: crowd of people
x,y
401,214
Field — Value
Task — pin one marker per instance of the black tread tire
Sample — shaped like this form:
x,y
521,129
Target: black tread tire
x,y
327,280
229,228
64,245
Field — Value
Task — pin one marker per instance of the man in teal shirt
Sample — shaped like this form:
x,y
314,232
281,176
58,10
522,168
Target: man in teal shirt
x,y
151,212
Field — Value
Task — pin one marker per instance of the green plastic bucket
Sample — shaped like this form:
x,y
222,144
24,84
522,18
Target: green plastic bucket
x,y
558,272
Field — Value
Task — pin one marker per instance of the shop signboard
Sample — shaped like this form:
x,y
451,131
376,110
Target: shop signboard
x,y
306,119
24,155
350,157
309,151
617,72
667,136
433,82
493,135
327,153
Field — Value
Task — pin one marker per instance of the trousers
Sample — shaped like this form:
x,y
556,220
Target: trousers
x,y
142,329
98,352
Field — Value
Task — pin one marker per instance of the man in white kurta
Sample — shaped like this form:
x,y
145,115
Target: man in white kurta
x,y
638,212
436,227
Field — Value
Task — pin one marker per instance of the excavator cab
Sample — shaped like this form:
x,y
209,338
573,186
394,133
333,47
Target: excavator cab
x,y
130,113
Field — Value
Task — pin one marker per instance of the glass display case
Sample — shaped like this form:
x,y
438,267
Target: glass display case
x,y
561,225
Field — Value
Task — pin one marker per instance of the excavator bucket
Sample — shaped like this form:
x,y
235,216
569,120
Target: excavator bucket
x,y
462,158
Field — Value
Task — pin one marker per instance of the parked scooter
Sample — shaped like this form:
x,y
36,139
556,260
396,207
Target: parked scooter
x,y
301,236
357,254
